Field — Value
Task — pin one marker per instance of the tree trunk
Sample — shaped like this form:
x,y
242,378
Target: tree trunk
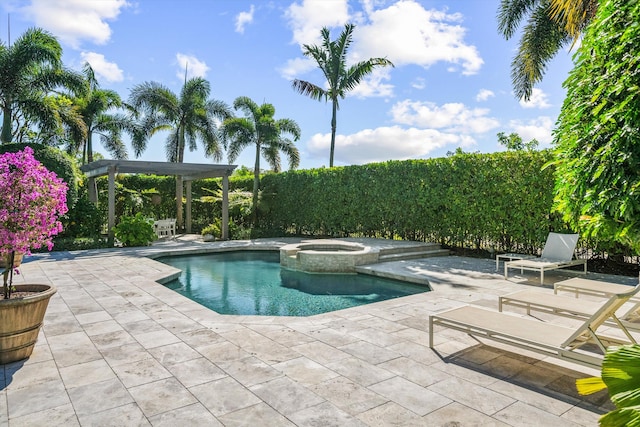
x,y
89,149
179,186
333,130
256,186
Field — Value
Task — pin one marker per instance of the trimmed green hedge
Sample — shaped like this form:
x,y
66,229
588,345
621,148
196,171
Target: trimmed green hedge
x,y
498,201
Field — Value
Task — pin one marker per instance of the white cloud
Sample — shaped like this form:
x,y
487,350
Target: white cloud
x,y
194,67
384,143
373,86
538,99
306,19
484,94
407,33
244,18
453,117
104,69
296,67
539,128
419,83
75,20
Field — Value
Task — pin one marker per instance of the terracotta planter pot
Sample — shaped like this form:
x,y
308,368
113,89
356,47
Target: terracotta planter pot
x,y
20,321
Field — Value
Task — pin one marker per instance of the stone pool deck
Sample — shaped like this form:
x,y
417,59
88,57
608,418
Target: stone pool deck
x,y
119,349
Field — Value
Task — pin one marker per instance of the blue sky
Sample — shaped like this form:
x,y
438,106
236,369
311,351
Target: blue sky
x,y
450,87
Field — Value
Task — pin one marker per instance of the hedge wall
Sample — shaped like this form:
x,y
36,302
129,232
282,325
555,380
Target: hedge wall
x,y
499,201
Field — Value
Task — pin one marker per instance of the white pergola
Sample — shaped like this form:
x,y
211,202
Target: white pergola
x,y
188,172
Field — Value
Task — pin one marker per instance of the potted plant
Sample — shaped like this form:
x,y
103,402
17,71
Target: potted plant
x,y
31,200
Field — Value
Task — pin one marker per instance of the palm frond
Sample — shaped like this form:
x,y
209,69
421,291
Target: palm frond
x,y
573,15
512,12
356,73
309,89
541,40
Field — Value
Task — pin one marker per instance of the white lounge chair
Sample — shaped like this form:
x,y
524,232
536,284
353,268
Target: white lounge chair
x,y
542,337
558,253
547,302
578,286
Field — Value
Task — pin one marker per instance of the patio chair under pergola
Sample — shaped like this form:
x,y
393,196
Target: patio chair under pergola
x,y
188,171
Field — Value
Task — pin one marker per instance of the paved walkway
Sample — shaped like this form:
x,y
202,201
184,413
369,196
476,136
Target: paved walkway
x,y
120,349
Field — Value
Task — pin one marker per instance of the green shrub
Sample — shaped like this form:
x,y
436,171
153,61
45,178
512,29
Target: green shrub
x,y
597,138
135,231
80,243
235,232
56,161
213,229
83,220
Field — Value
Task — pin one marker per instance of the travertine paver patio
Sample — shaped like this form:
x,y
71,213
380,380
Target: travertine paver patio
x,y
120,349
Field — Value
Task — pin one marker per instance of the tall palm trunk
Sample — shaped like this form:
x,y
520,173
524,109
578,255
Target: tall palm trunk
x,y
256,186
89,148
333,131
179,181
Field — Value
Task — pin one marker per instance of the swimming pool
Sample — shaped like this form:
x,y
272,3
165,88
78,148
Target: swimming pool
x,y
253,283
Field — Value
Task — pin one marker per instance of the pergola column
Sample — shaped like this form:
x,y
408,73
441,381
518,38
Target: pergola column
x,y
112,200
188,207
225,208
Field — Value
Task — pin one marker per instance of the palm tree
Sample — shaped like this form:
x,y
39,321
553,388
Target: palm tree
x,y
29,70
259,128
551,25
331,57
93,106
187,118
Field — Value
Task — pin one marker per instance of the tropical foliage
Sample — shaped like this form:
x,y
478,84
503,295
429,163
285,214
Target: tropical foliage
x,y
597,137
621,376
260,129
188,117
331,57
135,231
513,141
550,26
30,69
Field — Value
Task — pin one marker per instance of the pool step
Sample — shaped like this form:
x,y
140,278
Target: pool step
x,y
413,254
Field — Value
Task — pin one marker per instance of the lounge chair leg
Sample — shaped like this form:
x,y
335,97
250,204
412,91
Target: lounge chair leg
x,y
621,326
430,332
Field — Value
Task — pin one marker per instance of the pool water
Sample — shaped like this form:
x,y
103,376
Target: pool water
x,y
253,283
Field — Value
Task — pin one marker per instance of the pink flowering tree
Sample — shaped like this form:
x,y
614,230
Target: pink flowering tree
x,y
31,200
